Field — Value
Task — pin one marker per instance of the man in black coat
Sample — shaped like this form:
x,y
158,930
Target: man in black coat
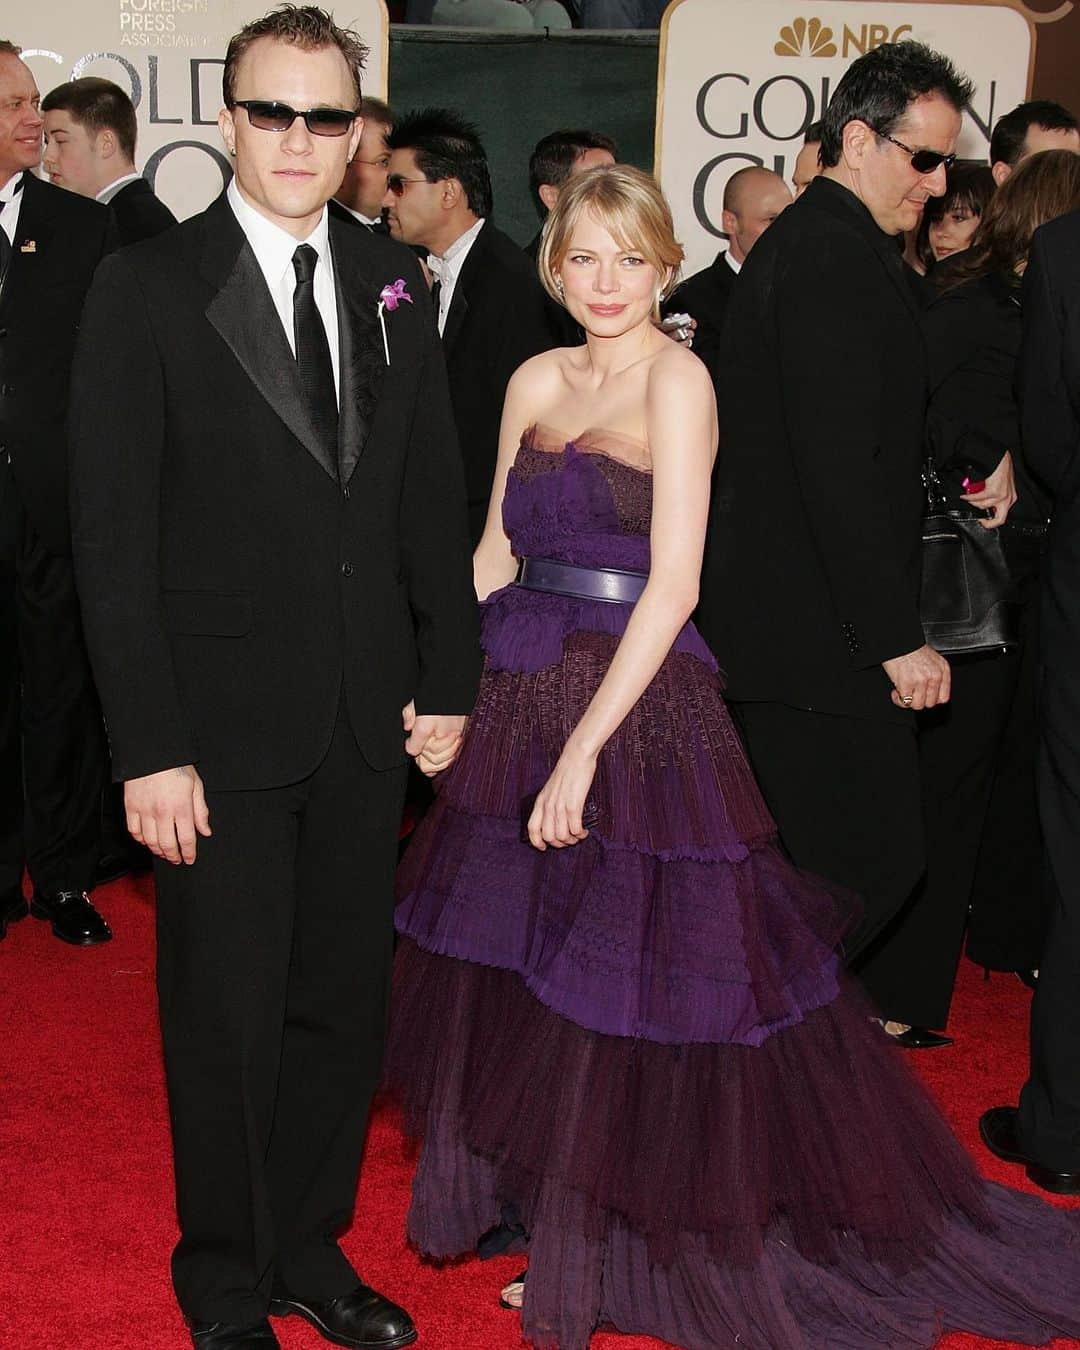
x,y
490,308
753,199
90,131
810,590
52,745
1044,1133
262,430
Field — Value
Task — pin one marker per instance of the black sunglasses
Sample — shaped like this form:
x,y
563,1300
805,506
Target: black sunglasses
x,y
397,183
922,161
271,116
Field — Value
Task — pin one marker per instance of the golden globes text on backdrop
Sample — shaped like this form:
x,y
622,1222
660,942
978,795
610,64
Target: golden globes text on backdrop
x,y
741,80
168,55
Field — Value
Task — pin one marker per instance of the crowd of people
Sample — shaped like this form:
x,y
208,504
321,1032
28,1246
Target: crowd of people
x,y
713,816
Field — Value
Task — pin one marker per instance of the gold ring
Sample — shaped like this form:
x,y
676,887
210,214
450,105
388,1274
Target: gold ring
x,y
906,700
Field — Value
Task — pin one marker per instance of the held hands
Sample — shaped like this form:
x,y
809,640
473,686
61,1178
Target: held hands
x,y
166,810
998,494
920,680
434,742
556,816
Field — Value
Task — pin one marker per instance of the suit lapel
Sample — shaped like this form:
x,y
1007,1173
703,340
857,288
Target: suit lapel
x,y
459,305
363,361
244,314
31,257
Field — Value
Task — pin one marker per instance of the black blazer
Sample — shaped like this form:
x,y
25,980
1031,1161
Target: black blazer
x,y
972,334
1049,384
498,319
140,214
60,240
235,575
705,296
813,559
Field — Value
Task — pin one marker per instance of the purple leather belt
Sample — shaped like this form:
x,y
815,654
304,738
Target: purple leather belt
x,y
585,583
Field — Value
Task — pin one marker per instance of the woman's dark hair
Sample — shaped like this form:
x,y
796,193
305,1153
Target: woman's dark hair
x,y
446,146
879,88
968,188
1039,189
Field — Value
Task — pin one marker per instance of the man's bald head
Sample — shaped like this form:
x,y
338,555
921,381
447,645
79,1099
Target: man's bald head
x,y
753,198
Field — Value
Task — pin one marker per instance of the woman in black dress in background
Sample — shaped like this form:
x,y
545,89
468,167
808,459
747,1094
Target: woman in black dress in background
x,y
977,753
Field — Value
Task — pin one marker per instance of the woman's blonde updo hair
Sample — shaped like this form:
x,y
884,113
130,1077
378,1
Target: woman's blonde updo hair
x,y
630,206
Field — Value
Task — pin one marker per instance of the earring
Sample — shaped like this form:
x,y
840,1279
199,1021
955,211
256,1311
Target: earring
x,y
559,285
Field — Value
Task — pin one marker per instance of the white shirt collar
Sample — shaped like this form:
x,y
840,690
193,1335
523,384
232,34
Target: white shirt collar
x,y
370,221
7,192
108,192
450,263
736,267
274,247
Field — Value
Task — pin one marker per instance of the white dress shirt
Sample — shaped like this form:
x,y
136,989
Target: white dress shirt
x,y
108,193
736,267
274,248
447,269
369,221
10,202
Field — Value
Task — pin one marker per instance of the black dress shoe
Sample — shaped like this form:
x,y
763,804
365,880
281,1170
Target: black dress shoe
x,y
362,1320
13,907
998,1129
921,1038
74,919
229,1336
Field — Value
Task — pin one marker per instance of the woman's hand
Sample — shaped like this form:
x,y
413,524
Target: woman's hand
x,y
556,816
998,494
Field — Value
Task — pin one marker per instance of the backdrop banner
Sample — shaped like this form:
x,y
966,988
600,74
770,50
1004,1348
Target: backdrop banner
x,y
168,55
741,80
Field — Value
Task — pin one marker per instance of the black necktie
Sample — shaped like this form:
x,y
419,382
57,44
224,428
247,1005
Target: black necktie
x,y
313,350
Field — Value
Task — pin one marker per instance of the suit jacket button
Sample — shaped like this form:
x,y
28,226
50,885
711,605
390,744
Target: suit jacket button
x,y
346,569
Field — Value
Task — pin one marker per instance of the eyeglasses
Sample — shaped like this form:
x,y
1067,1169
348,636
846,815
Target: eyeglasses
x,y
922,161
383,162
397,183
272,116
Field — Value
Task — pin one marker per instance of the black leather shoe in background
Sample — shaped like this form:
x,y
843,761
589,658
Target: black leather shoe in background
x,y
13,907
921,1038
74,919
998,1129
227,1336
362,1320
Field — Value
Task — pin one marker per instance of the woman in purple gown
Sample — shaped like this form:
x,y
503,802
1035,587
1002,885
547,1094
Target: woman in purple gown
x,y
618,1008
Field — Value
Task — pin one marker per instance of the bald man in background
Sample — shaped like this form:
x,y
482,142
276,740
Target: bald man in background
x,y
753,198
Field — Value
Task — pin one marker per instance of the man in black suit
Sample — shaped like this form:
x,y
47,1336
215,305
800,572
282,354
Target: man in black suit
x,y
262,426
490,307
360,194
811,580
1044,1133
555,159
90,132
753,199
52,743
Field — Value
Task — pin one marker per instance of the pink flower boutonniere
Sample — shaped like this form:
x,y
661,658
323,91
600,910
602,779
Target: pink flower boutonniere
x,y
390,297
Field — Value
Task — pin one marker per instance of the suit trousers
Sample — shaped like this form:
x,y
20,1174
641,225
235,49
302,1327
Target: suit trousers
x,y
274,959
1049,1120
844,793
53,762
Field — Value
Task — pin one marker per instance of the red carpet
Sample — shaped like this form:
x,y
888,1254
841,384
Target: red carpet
x,y
85,1185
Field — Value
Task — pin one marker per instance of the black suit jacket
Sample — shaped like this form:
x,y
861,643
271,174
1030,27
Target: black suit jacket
x,y
498,319
813,560
60,240
1049,384
234,573
705,296
972,334
140,214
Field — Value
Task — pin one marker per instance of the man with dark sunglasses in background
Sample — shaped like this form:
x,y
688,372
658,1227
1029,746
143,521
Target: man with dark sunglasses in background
x,y
261,425
810,588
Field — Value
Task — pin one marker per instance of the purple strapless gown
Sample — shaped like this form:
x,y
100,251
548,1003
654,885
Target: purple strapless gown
x,y
645,1042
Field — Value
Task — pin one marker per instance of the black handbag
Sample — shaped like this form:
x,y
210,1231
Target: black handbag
x,y
969,602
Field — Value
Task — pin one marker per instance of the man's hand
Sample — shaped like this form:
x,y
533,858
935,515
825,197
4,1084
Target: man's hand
x,y
434,741
920,680
998,494
165,811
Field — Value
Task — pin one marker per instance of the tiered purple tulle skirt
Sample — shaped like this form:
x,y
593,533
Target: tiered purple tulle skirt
x,y
645,1044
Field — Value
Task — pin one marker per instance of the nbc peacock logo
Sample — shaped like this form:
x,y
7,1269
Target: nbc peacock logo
x,y
805,37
